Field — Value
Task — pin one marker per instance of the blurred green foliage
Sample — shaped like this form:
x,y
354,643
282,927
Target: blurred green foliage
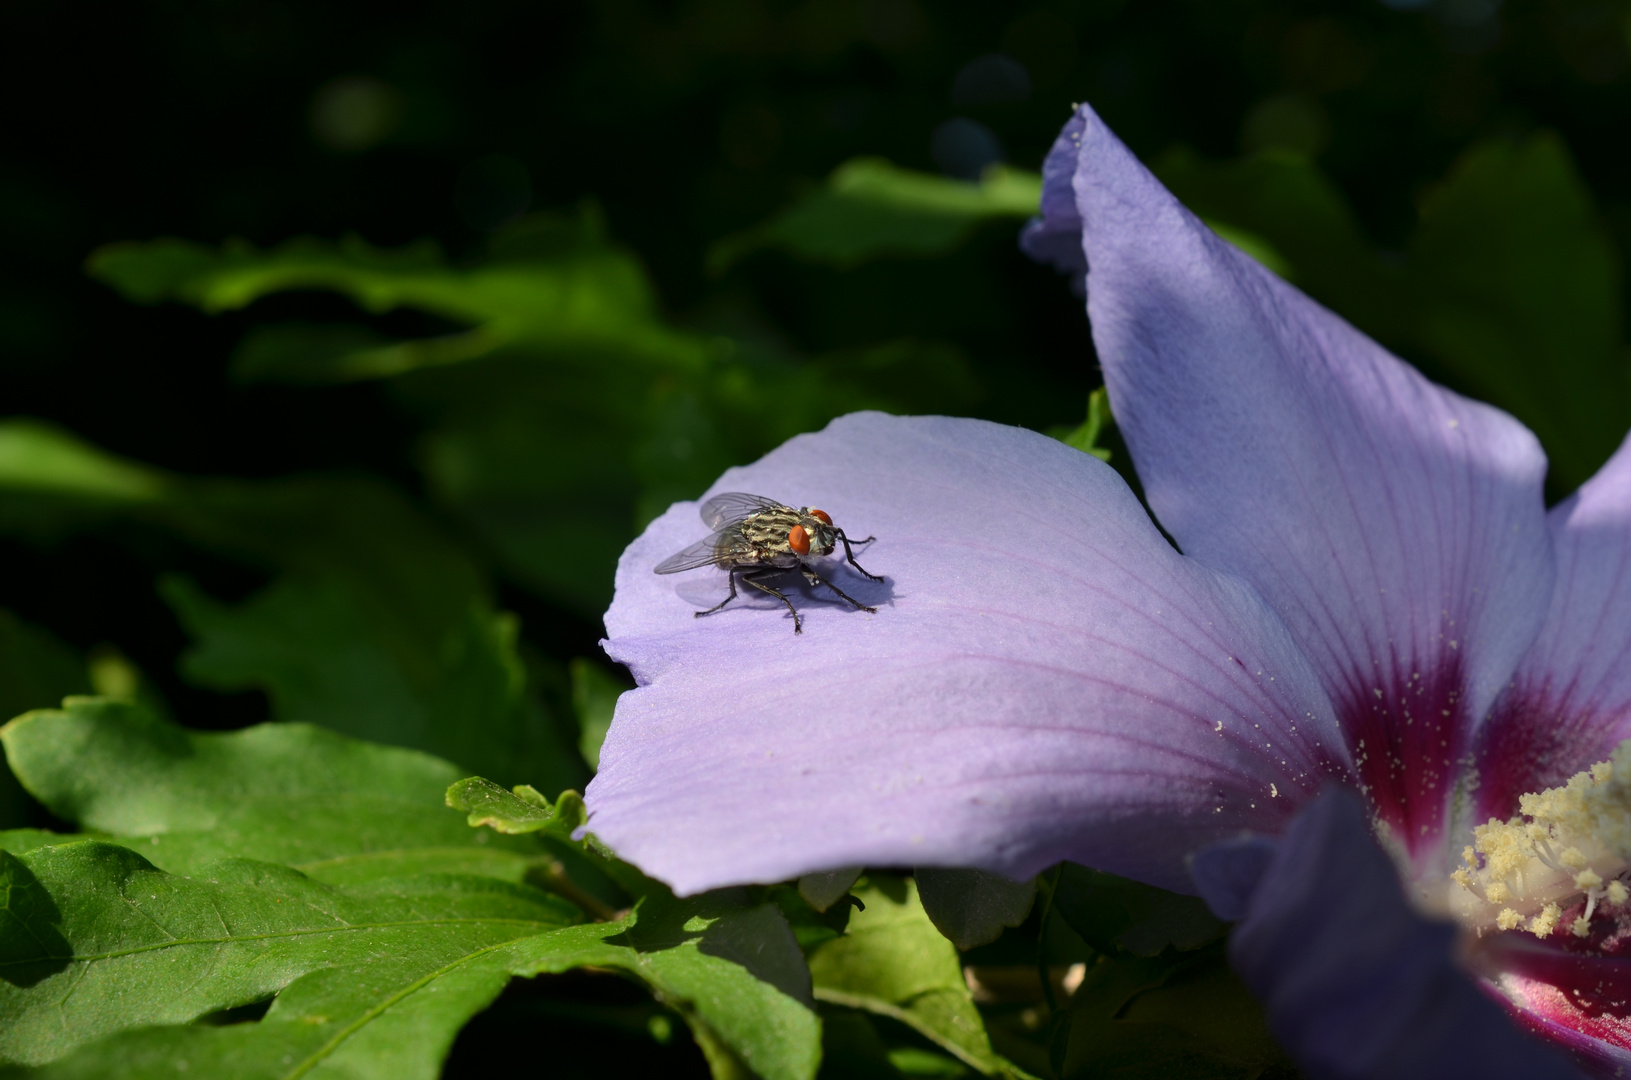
x,y
373,489
870,208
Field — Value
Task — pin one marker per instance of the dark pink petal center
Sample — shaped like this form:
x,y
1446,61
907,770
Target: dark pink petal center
x,y
1404,728
1537,737
1564,991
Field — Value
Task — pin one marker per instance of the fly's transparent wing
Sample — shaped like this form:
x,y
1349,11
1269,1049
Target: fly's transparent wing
x,y
734,506
721,549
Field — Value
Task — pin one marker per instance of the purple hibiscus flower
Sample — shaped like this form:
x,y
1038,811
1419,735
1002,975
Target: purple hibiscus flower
x,y
1370,594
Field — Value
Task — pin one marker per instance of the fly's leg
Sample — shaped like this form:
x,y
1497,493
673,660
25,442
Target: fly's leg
x,y
732,578
849,556
816,579
752,579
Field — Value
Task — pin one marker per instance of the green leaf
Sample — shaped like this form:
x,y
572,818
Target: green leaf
x,y
972,907
543,462
36,669
341,810
811,925
729,969
309,353
871,208
51,481
331,651
892,962
521,810
822,890
732,969
555,444
97,940
553,282
1085,437
1112,913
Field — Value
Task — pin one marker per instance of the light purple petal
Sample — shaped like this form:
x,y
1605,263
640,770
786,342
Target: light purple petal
x,y
1357,985
1396,527
1045,678
1570,703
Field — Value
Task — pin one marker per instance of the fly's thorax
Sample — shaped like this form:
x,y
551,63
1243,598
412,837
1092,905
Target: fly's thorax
x,y
782,536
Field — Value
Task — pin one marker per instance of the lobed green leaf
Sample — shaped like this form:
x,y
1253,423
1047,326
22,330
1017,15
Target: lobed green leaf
x,y
521,810
338,809
88,923
375,983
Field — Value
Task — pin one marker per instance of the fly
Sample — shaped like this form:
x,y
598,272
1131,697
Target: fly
x,y
756,538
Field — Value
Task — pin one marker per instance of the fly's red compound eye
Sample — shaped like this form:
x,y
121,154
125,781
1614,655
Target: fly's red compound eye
x,y
821,515
798,540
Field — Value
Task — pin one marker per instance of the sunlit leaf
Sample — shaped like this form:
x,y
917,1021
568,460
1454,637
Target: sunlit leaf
x,y
370,982
336,808
98,940
520,810
395,998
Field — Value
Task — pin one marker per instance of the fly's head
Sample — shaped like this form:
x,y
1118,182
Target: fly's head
x,y
813,535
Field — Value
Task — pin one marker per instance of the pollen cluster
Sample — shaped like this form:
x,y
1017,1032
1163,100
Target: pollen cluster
x,y
1564,843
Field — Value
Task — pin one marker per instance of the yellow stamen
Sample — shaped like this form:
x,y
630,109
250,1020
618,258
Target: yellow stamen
x,y
1565,845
